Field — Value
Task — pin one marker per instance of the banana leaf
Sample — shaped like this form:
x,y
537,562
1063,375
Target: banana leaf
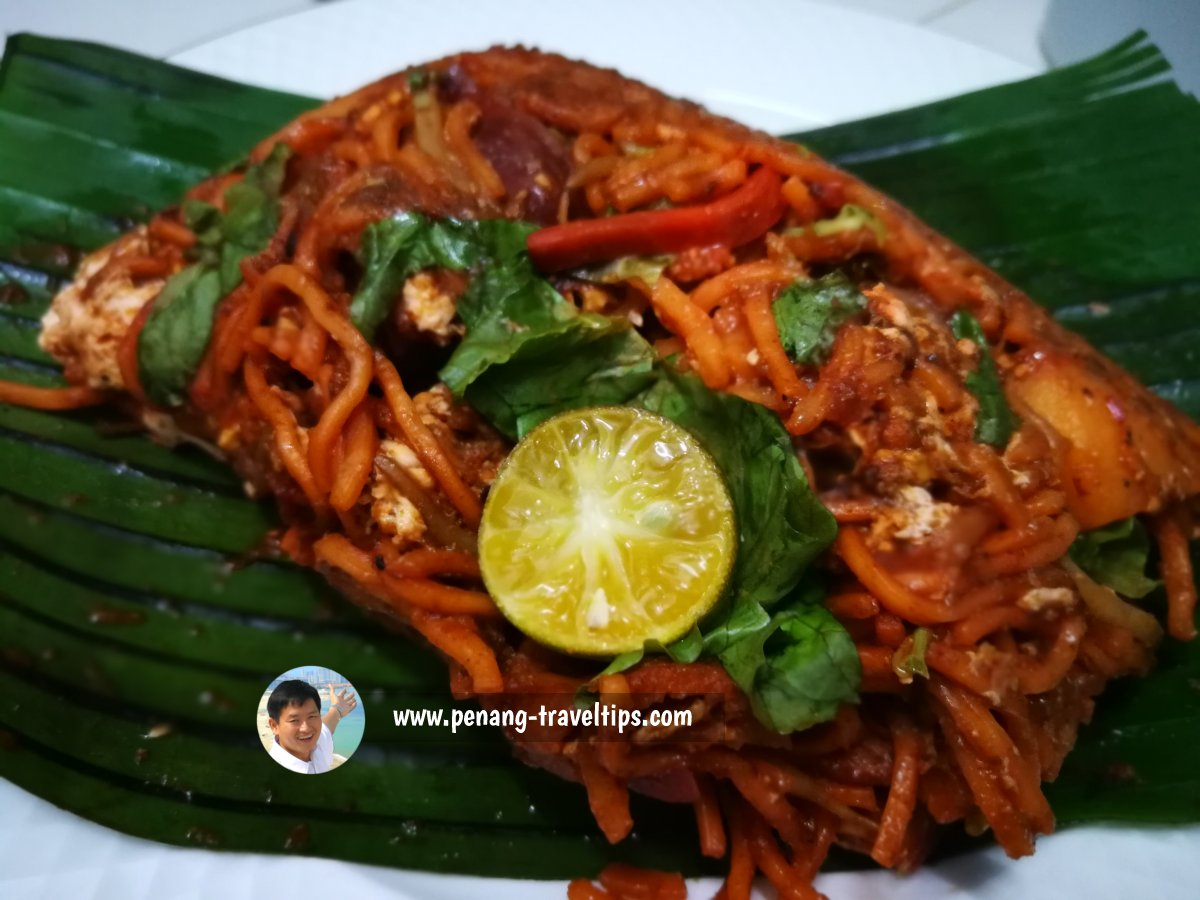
x,y
139,625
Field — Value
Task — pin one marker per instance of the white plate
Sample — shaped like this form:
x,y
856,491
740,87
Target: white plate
x,y
776,65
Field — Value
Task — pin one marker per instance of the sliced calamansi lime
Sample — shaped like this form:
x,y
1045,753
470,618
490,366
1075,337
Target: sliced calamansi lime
x,y
607,527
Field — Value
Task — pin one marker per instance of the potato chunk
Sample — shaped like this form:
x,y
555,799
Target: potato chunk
x,y
1125,456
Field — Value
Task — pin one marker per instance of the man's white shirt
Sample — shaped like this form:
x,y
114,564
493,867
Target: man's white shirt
x,y
321,760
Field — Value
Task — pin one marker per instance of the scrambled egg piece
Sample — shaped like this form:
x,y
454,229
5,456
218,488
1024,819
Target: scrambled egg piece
x,y
922,515
392,512
85,332
428,307
1036,599
913,516
403,456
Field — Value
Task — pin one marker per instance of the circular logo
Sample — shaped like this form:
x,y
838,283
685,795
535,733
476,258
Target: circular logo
x,y
310,720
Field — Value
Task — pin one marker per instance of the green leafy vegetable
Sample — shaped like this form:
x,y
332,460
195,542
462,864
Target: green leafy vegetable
x,y
172,342
849,218
733,623
507,305
648,268
395,249
176,332
1116,555
685,650
808,315
587,360
797,670
909,659
782,526
528,353
995,422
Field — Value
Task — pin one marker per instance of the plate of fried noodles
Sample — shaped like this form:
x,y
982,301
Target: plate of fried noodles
x,y
552,358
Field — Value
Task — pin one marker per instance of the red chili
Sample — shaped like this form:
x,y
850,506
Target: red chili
x,y
733,220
